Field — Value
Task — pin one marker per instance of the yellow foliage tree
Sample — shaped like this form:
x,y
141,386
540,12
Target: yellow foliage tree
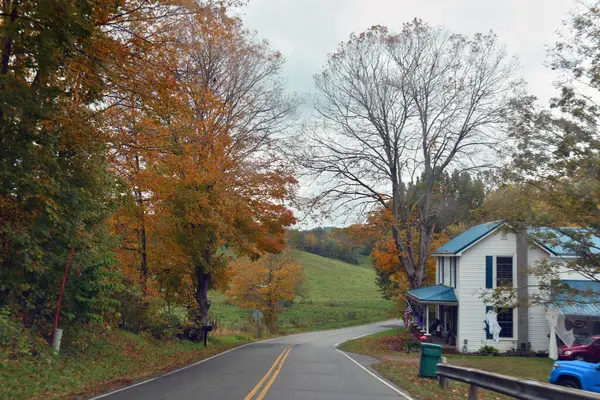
x,y
264,284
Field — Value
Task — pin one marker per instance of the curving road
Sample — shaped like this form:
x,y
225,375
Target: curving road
x,y
304,366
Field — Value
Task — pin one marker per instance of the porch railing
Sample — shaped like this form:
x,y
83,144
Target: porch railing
x,y
525,389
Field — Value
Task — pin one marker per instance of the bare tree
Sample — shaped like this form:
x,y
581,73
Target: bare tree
x,y
397,110
244,74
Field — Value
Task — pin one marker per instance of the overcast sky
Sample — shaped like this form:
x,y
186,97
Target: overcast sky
x,y
305,31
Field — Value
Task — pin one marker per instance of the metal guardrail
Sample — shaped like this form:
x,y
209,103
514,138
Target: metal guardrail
x,y
525,389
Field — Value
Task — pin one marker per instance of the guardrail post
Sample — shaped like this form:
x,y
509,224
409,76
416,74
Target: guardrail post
x,y
473,392
443,381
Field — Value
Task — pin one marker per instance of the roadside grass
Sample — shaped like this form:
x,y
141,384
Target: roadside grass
x,y
336,294
111,359
403,369
371,345
405,375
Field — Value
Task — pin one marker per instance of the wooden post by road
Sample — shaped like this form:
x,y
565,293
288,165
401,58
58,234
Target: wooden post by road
x,y
443,381
473,392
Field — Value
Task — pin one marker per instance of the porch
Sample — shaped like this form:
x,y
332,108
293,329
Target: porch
x,y
435,311
578,305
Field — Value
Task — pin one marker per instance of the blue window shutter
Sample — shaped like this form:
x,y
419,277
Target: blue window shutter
x,y
489,272
488,336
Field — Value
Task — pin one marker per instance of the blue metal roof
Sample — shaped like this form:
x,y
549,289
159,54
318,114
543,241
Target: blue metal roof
x,y
557,242
467,238
578,303
434,294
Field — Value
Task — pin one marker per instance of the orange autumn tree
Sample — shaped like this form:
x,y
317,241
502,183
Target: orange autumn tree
x,y
141,101
194,140
225,184
265,283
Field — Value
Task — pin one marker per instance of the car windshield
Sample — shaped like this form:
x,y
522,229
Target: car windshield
x,y
584,340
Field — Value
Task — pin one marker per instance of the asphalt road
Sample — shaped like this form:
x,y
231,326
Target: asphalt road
x,y
305,366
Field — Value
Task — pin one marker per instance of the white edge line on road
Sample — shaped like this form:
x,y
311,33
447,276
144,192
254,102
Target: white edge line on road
x,y
369,372
356,337
191,365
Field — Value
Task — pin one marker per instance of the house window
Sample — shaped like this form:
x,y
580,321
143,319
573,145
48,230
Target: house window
x,y
455,258
443,268
506,322
504,271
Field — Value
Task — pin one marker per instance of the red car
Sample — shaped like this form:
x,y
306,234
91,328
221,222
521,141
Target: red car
x,y
584,349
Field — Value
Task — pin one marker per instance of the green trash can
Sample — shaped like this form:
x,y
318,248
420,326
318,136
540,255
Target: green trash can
x,y
430,358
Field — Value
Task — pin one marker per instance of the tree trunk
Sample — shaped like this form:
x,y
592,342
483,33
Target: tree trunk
x,y
270,319
144,251
139,200
7,45
202,294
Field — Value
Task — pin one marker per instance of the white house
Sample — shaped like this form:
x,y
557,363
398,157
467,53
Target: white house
x,y
481,258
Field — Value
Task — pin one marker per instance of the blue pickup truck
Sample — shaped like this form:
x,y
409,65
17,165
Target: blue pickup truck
x,y
576,374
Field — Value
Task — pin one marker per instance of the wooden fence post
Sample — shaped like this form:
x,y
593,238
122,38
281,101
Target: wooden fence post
x,y
443,381
473,392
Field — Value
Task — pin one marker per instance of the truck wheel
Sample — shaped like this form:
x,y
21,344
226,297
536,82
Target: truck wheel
x,y
570,383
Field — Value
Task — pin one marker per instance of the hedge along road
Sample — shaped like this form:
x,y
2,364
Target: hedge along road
x,y
303,366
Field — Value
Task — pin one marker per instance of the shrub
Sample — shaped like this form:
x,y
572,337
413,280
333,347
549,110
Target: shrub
x,y
488,351
351,315
287,303
404,342
542,353
135,311
298,322
165,326
15,340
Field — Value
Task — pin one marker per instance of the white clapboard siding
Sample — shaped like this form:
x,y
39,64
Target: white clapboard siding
x,y
471,282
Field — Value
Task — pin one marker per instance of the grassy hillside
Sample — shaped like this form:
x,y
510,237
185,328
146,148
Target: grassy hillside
x,y
334,294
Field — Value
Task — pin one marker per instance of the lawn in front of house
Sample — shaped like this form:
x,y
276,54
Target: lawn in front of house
x,y
403,369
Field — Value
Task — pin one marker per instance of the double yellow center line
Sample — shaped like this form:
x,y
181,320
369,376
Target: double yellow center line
x,y
272,372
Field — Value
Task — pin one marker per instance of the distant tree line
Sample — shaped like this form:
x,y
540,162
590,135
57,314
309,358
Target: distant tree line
x,y
336,243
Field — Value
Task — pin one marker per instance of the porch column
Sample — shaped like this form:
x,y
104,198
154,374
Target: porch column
x,y
427,319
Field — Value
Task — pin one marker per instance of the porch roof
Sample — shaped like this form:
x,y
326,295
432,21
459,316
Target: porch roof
x,y
578,304
434,294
